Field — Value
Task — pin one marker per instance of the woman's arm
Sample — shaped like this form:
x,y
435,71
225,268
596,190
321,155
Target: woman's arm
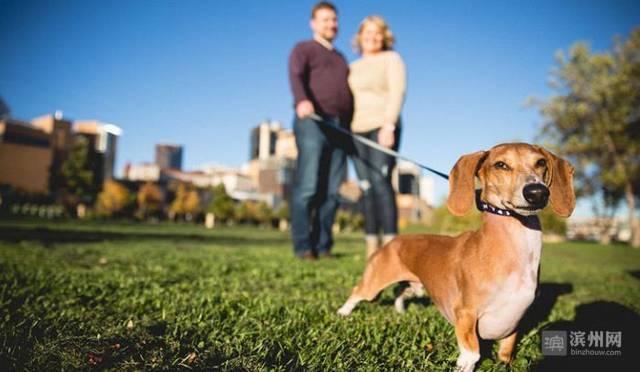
x,y
397,83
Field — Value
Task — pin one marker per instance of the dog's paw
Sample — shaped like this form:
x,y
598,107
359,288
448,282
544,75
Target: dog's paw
x,y
345,310
466,361
399,305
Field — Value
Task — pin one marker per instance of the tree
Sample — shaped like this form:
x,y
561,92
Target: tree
x,y
263,213
552,223
186,201
283,211
253,212
76,175
222,206
113,199
243,212
149,199
594,120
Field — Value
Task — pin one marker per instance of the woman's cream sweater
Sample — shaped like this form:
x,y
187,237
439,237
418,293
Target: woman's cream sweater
x,y
378,83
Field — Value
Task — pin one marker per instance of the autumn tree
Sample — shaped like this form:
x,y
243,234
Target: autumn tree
x,y
186,201
593,118
250,211
149,200
113,199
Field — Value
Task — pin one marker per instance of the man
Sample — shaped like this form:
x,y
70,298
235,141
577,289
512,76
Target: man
x,y
318,74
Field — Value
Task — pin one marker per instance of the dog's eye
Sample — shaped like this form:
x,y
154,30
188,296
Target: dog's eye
x,y
541,163
501,165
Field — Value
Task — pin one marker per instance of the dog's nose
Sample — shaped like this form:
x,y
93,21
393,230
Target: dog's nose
x,y
536,194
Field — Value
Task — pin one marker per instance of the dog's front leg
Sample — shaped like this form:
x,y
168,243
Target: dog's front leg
x,y
468,344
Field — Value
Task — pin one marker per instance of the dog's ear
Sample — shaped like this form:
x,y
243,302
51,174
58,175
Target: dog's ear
x,y
462,183
560,183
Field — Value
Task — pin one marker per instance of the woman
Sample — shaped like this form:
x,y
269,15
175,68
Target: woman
x,y
378,83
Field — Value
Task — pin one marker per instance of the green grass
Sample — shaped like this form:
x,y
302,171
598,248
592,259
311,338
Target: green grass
x,y
83,295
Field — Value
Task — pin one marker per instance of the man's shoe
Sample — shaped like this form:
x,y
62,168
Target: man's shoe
x,y
328,255
308,256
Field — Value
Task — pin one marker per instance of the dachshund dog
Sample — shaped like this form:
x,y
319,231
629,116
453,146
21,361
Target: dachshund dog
x,y
481,281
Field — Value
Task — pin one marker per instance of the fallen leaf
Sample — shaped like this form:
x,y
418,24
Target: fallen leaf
x,y
191,357
130,324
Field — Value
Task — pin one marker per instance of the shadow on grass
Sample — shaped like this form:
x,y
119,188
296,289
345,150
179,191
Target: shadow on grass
x,y
546,298
50,237
635,274
598,316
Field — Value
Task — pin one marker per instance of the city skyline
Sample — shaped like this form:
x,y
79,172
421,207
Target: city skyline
x,y
201,74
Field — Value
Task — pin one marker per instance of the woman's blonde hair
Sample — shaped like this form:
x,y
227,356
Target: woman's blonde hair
x,y
387,36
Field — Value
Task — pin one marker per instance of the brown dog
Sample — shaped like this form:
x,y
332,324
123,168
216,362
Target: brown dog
x,y
481,281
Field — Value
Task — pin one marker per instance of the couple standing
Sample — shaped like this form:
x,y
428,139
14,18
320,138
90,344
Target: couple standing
x,y
365,99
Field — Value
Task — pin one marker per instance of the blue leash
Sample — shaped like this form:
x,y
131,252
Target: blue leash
x,y
375,145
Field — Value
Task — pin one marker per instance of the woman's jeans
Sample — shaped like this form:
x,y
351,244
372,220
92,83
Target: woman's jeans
x,y
374,170
320,169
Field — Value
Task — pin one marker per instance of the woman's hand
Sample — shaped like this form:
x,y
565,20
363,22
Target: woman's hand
x,y
386,136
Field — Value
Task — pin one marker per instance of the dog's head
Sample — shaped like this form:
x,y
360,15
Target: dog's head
x,y
515,176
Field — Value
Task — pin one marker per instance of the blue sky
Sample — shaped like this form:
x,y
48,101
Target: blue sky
x,y
202,73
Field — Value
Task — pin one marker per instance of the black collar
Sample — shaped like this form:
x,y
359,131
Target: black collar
x,y
531,222
484,206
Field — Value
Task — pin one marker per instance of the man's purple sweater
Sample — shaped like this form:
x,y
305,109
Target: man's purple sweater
x,y
320,75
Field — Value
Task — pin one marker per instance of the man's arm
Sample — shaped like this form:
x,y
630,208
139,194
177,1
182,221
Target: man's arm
x,y
298,75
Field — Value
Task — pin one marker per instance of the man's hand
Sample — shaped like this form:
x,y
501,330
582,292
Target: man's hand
x,y
386,136
304,109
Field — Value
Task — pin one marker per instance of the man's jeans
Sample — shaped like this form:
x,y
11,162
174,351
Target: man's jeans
x,y
374,170
320,169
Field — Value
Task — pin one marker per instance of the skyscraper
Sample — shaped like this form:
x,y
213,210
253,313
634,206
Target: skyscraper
x,y
263,140
103,139
169,156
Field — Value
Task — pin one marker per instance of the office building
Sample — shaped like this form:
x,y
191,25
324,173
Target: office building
x,y
25,156
32,154
169,156
103,139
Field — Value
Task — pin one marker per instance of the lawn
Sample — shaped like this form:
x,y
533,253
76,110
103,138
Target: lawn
x,y
92,295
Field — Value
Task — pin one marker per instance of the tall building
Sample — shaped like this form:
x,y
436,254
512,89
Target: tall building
x,y
103,138
272,154
169,156
59,131
263,140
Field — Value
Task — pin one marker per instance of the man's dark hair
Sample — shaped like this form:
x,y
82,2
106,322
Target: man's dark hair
x,y
322,5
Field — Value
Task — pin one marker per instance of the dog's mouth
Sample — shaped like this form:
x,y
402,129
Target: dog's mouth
x,y
524,209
